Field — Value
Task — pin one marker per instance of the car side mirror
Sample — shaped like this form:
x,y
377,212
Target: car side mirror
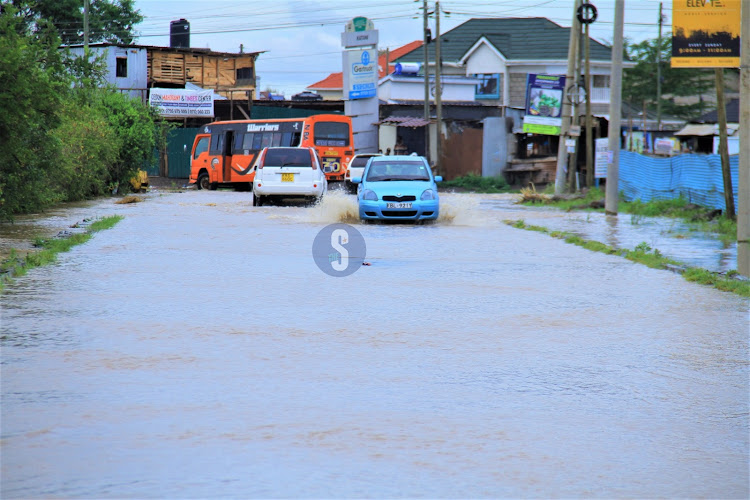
x,y
438,178
356,180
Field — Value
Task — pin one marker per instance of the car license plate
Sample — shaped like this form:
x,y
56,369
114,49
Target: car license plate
x,y
398,205
287,177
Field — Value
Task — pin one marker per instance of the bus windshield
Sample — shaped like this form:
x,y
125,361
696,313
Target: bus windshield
x,y
331,134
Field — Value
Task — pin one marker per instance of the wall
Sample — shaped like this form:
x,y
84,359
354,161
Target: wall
x,y
494,146
137,63
412,88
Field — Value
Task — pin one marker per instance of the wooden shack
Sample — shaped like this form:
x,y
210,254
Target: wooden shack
x,y
229,74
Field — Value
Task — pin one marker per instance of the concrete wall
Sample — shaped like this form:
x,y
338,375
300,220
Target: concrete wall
x,y
494,146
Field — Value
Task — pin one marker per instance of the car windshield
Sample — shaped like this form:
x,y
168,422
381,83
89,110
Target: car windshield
x,y
398,171
284,157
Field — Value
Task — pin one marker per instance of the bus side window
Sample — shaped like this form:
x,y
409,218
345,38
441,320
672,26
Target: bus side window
x,y
257,140
201,147
296,139
267,139
247,142
276,139
217,143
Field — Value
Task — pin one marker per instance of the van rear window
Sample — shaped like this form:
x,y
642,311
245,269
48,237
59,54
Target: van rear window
x,y
287,157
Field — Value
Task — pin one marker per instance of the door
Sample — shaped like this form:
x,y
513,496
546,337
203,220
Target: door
x,y
227,156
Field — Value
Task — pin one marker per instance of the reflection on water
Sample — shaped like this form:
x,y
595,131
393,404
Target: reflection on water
x,y
195,350
672,237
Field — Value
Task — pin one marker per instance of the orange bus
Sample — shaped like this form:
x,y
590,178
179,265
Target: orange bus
x,y
224,152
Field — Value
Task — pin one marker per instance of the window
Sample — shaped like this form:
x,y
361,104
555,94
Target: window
x,y
600,81
488,87
331,134
121,67
244,73
201,147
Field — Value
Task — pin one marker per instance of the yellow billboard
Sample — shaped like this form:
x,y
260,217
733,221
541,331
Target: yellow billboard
x,y
706,33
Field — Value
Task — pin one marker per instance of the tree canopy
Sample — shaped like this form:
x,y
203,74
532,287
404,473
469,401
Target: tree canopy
x,y
639,84
109,20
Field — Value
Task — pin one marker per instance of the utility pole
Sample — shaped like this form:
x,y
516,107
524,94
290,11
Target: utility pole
x,y
721,111
589,120
615,109
438,92
575,114
426,84
562,152
743,214
86,27
658,70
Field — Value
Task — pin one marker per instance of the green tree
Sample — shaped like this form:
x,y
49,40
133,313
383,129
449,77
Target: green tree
x,y
35,84
139,130
639,83
109,20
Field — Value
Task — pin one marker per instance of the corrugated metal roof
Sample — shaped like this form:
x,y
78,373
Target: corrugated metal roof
x,y
693,129
404,121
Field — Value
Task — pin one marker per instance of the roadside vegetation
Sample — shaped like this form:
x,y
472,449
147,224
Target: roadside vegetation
x,y
64,135
17,265
653,258
477,184
698,218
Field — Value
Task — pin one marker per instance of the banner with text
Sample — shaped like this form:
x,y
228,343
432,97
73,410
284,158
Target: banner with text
x,y
181,103
706,33
544,97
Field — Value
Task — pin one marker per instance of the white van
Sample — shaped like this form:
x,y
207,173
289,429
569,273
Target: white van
x,y
288,173
356,169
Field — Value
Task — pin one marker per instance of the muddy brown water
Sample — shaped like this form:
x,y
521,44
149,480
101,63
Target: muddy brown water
x,y
195,350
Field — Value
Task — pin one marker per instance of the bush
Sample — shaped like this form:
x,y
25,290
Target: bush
x,y
473,182
88,147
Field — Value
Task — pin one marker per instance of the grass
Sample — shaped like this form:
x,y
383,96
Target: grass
x,y
16,265
477,184
696,217
653,258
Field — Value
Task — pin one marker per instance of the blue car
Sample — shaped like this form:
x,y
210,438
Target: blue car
x,y
398,188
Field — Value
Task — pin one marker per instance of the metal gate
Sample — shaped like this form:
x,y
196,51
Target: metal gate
x,y
462,153
179,146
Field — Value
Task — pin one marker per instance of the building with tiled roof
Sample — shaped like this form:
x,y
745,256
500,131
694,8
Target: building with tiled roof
x,y
331,88
501,52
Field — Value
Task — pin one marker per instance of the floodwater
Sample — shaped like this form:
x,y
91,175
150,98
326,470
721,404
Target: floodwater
x,y
195,350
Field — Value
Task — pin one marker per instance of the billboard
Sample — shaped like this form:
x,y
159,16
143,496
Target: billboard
x,y
360,73
181,103
544,98
706,33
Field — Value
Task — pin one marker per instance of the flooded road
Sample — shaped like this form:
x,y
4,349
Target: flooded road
x,y
195,350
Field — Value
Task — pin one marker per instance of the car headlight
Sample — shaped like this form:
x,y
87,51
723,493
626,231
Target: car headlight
x,y
428,194
370,195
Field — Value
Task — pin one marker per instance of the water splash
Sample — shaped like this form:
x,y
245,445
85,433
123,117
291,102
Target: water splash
x,y
458,210
336,206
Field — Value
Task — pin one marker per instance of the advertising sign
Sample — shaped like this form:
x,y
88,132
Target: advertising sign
x,y
360,73
706,33
359,24
544,99
181,103
601,158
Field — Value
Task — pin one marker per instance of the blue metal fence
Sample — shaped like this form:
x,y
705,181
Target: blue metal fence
x,y
697,178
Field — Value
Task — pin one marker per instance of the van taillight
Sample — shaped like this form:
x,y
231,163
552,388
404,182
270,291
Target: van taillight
x,y
313,158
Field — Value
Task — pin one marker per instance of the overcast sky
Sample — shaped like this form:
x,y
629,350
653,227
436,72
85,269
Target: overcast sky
x,y
302,38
